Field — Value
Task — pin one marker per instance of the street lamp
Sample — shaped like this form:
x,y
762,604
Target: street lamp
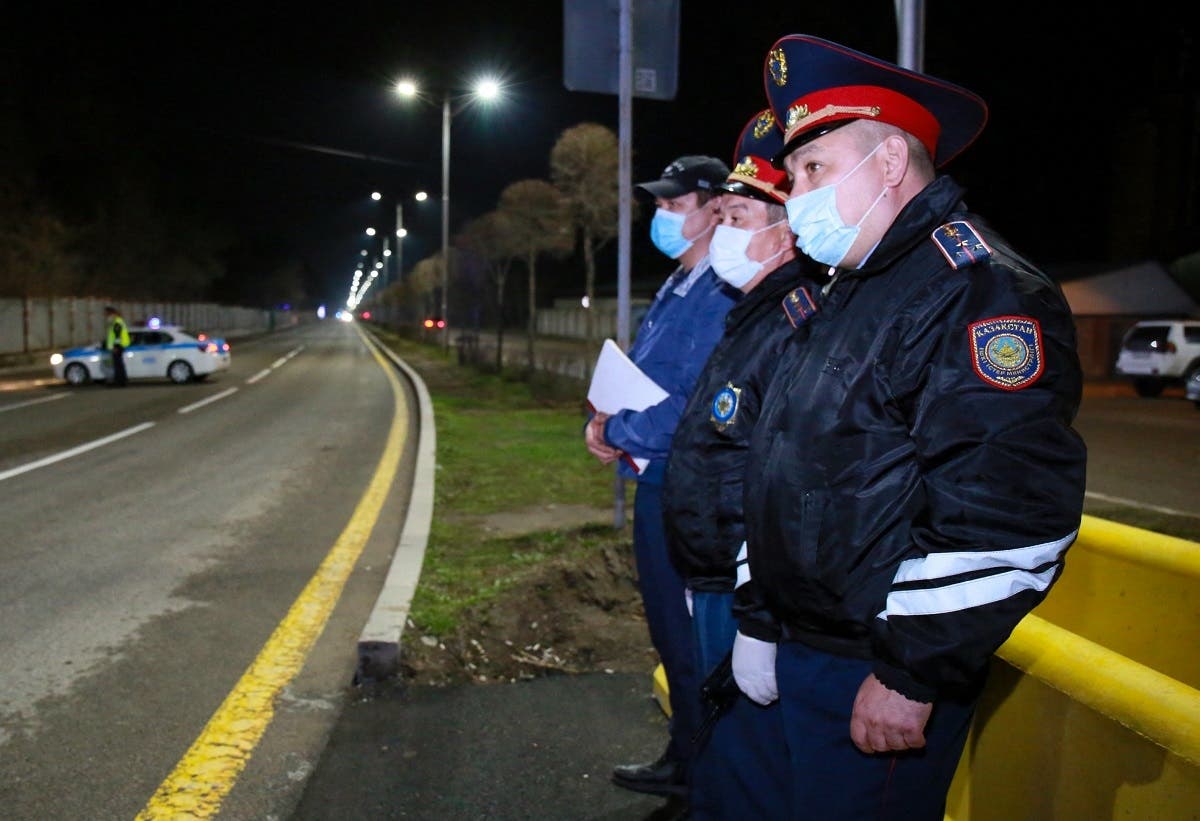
x,y
401,231
484,89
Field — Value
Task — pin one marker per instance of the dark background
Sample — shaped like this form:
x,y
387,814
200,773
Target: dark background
x,y
277,120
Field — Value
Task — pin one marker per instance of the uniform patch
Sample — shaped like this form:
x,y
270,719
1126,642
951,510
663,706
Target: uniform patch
x,y
725,406
1006,351
960,244
799,306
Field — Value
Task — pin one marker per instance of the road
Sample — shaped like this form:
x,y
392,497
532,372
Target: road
x,y
142,578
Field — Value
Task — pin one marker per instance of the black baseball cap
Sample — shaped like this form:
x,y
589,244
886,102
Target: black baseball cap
x,y
694,172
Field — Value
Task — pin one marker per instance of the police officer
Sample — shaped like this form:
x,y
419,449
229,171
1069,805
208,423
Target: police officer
x,y
915,481
753,250
676,336
116,340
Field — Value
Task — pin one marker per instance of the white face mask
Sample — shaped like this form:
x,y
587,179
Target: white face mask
x,y
817,224
727,253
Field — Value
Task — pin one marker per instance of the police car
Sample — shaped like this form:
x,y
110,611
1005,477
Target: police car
x,y
155,352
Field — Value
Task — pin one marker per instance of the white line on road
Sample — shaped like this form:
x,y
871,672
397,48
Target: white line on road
x,y
1170,511
67,454
16,405
210,399
263,374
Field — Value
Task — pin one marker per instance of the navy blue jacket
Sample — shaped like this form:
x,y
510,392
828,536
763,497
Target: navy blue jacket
x,y
702,491
914,479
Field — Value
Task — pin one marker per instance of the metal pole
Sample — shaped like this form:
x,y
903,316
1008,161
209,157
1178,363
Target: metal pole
x,y
445,218
624,207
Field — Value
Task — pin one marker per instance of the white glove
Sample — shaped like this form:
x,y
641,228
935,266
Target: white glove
x,y
687,599
754,668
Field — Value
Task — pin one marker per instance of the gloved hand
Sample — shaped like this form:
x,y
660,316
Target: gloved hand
x,y
754,668
687,599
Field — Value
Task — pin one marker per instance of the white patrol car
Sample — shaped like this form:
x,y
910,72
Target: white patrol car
x,y
1160,352
154,352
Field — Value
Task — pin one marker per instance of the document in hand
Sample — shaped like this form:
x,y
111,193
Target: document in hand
x,y
618,384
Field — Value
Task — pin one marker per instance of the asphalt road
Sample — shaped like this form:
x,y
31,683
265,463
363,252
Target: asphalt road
x,y
144,579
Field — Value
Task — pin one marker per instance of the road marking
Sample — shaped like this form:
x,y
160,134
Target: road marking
x,y
67,454
263,374
26,404
210,768
1170,511
203,402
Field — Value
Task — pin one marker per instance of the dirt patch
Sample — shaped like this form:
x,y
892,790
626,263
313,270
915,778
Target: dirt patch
x,y
567,616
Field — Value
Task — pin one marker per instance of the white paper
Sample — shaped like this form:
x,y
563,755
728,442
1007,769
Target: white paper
x,y
618,384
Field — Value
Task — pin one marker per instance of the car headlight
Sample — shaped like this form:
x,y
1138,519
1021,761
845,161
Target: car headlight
x,y
56,358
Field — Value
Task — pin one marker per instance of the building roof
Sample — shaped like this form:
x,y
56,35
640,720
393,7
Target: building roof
x,y
1141,290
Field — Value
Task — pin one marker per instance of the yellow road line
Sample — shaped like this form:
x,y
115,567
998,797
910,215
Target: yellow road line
x,y
207,772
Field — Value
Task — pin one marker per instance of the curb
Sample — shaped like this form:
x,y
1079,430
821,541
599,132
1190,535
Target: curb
x,y
379,642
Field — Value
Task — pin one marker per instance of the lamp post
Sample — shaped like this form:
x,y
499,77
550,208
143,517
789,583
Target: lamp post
x,y
484,89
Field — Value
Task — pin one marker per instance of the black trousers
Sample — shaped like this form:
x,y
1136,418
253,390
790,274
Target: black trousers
x,y
118,365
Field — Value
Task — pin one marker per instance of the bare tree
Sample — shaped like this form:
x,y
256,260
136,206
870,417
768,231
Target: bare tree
x,y
536,217
492,240
583,167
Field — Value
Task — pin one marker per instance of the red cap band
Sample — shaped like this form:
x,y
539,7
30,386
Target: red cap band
x,y
862,103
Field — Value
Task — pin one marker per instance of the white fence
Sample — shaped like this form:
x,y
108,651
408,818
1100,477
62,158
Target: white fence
x,y
38,324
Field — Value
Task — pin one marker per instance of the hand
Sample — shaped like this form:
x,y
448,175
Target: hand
x,y
593,435
884,720
687,599
754,668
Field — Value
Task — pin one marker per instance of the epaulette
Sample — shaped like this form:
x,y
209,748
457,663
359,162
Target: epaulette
x,y
960,244
798,305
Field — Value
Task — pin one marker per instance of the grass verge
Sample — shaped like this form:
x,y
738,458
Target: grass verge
x,y
505,444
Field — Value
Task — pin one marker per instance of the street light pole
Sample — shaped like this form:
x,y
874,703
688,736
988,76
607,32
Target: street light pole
x,y
445,218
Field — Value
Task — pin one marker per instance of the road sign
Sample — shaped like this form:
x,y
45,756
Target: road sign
x,y
591,47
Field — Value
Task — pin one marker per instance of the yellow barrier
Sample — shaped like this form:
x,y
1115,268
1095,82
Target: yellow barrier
x,y
1093,708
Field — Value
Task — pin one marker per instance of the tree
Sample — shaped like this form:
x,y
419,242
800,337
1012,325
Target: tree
x,y
537,220
583,167
491,239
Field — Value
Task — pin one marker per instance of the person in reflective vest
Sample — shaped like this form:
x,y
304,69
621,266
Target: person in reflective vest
x,y
116,340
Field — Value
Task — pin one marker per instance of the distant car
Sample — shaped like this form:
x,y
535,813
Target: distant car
x,y
161,352
433,323
1192,388
1160,352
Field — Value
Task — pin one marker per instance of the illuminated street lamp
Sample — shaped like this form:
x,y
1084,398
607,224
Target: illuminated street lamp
x,y
485,89
401,231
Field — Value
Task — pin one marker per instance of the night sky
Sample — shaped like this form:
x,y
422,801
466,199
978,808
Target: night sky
x,y
282,119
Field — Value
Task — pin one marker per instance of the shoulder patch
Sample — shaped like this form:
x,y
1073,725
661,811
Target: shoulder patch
x,y
725,406
960,244
798,305
1006,351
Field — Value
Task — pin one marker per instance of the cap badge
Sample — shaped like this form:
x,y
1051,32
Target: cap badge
x,y
725,406
1006,351
795,114
777,64
746,168
763,125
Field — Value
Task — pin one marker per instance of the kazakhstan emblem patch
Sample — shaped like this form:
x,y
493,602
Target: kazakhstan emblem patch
x,y
1006,351
725,406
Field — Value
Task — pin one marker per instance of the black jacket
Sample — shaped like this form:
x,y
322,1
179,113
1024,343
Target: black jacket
x,y
915,481
702,492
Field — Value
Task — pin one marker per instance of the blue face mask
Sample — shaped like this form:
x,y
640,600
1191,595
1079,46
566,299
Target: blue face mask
x,y
814,219
666,232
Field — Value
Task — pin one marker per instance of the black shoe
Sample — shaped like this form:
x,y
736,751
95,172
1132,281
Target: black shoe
x,y
667,776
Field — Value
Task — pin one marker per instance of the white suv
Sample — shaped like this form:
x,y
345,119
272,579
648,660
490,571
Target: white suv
x,y
1160,352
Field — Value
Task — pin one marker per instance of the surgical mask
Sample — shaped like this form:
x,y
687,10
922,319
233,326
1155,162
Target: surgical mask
x,y
727,253
666,232
814,219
